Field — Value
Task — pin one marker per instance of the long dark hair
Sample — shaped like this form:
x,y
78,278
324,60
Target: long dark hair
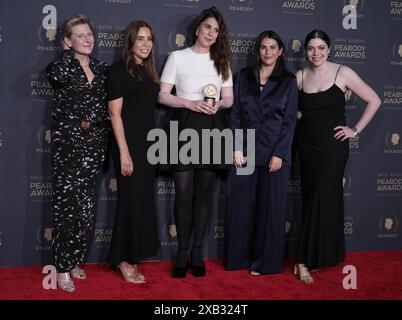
x,y
280,67
317,34
130,37
219,51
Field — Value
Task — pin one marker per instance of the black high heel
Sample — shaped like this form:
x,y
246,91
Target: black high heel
x,y
198,270
181,272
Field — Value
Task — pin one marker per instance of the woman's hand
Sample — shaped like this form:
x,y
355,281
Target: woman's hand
x,y
216,106
126,164
275,164
344,133
238,159
201,107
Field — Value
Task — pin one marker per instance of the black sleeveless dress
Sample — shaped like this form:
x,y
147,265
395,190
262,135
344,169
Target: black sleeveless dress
x,y
322,164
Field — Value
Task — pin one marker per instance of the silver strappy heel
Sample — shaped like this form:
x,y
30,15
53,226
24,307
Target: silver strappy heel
x,y
78,273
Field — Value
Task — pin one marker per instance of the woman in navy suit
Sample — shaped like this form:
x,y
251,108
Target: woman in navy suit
x,y
266,100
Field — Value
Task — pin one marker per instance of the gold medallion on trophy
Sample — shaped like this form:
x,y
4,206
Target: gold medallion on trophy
x,y
209,92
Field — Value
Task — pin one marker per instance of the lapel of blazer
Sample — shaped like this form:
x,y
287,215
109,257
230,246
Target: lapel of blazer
x,y
270,87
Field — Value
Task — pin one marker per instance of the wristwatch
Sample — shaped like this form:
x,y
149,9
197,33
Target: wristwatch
x,y
355,131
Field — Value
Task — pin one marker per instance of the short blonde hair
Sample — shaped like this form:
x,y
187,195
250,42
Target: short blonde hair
x,y
74,21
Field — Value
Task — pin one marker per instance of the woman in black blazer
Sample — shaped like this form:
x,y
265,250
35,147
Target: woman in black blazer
x,y
265,100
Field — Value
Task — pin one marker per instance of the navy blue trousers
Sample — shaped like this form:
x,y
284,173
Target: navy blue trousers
x,y
255,220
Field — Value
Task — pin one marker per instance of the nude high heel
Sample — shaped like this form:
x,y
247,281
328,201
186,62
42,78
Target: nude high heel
x,y
129,273
303,274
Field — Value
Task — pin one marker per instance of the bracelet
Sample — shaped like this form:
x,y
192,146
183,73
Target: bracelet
x,y
355,131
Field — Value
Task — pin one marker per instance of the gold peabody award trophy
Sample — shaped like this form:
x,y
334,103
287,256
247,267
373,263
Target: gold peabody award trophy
x,y
209,92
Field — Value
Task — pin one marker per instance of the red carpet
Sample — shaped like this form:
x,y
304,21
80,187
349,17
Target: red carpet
x,y
379,276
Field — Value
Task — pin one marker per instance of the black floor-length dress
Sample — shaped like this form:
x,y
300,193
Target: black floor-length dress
x,y
322,165
134,231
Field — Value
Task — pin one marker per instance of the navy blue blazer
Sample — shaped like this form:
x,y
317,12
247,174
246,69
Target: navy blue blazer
x,y
271,112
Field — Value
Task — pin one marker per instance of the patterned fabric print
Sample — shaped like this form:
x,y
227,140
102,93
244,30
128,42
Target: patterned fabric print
x,y
77,155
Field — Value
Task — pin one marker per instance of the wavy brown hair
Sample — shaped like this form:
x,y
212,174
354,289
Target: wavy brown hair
x,y
219,51
130,37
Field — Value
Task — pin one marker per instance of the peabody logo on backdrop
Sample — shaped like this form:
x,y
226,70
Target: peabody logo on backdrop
x,y
168,233
295,52
44,236
1,234
389,184
47,32
110,37
182,3
294,186
395,10
40,188
109,188
348,227
397,54
347,184
303,7
392,98
241,45
102,235
1,34
1,140
41,89
44,138
241,5
179,39
393,143
165,189
349,51
388,226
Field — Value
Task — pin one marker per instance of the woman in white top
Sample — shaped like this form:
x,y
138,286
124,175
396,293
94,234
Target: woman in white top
x,y
199,71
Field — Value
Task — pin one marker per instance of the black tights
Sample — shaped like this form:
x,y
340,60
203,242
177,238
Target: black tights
x,y
192,209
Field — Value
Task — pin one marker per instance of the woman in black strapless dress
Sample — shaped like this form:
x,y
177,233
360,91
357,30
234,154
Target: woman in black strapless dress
x,y
322,144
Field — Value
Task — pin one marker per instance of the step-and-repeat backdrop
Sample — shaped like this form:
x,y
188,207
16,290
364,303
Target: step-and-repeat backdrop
x,y
371,44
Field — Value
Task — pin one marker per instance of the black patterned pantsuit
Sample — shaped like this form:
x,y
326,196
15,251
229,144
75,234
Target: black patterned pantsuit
x,y
77,158
79,142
